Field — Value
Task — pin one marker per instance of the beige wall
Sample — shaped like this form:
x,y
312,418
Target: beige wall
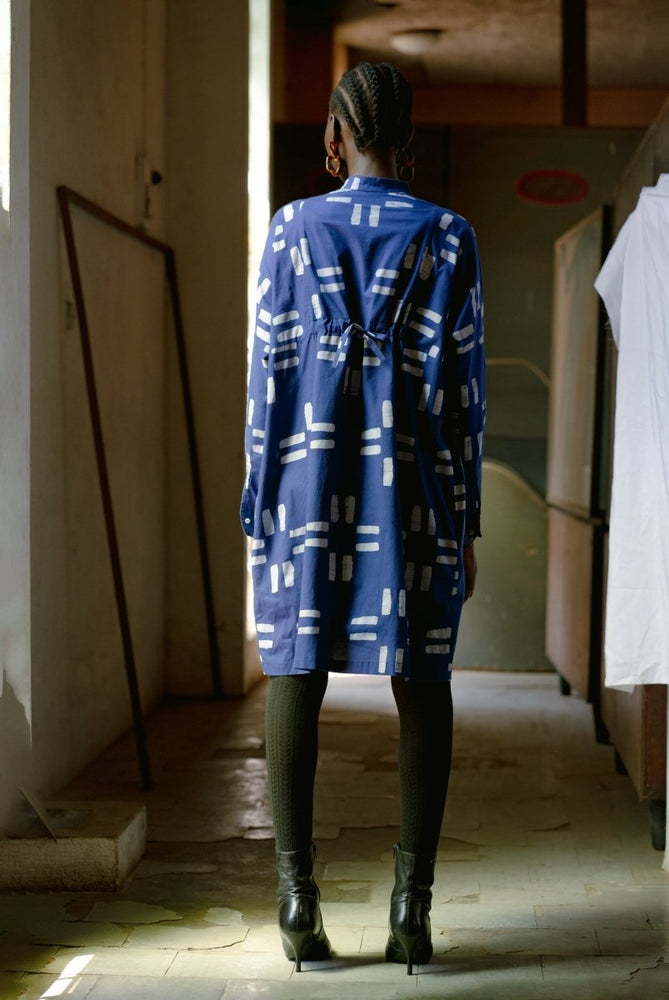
x,y
97,85
207,224
15,692
97,101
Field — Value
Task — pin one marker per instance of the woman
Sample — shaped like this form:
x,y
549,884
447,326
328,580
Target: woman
x,y
364,434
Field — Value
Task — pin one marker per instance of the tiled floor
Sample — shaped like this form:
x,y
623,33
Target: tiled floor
x,y
547,886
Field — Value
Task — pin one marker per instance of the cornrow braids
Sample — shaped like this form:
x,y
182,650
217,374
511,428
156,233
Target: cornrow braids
x,y
375,102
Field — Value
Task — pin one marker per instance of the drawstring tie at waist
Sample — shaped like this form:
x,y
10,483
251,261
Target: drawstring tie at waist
x,y
374,339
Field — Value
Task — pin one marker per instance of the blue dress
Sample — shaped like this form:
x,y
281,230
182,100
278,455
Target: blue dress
x,y
364,432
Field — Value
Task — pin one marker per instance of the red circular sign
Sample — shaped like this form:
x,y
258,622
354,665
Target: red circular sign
x,y
552,187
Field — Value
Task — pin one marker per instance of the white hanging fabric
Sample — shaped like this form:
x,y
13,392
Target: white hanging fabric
x,y
634,284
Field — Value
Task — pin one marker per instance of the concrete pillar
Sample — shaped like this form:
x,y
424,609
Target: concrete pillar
x,y
207,129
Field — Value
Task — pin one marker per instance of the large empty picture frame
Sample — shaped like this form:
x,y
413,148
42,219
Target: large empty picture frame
x,y
66,199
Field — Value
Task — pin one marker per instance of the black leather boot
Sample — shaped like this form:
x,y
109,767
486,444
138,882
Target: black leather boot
x,y
300,920
410,903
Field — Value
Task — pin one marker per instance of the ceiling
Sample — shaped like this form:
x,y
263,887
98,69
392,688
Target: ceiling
x,y
508,43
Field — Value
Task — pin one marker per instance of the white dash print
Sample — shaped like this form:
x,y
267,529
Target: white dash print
x,y
285,317
439,633
352,348
297,262
424,397
388,472
449,255
430,314
387,413
426,265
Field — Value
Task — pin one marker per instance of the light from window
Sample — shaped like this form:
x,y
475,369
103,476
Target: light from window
x,y
5,48
260,127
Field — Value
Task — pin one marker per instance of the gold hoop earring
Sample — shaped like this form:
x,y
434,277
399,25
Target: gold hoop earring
x,y
333,161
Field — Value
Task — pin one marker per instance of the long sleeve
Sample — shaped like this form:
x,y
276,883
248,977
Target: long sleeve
x,y
258,387
469,386
364,432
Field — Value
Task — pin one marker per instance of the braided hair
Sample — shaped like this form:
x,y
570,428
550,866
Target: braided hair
x,y
375,102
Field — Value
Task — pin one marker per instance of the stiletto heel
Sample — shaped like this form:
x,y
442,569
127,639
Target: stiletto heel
x,y
300,923
403,947
410,931
305,942
294,942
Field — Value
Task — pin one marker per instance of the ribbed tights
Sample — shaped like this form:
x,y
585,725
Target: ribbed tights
x,y
291,741
426,741
291,735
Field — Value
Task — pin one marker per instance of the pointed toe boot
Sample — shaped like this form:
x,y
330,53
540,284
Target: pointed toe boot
x,y
410,932
300,921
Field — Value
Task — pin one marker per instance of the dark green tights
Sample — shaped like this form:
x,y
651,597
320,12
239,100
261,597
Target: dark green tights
x,y
426,734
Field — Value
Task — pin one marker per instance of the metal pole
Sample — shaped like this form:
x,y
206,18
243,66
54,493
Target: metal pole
x,y
105,490
170,267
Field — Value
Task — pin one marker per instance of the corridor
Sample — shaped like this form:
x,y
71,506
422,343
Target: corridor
x,y
547,886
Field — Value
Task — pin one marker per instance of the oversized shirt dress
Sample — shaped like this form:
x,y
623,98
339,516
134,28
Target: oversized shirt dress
x,y
364,432
634,284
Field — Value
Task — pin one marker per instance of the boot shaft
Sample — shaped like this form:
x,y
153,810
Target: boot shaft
x,y
295,874
414,876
